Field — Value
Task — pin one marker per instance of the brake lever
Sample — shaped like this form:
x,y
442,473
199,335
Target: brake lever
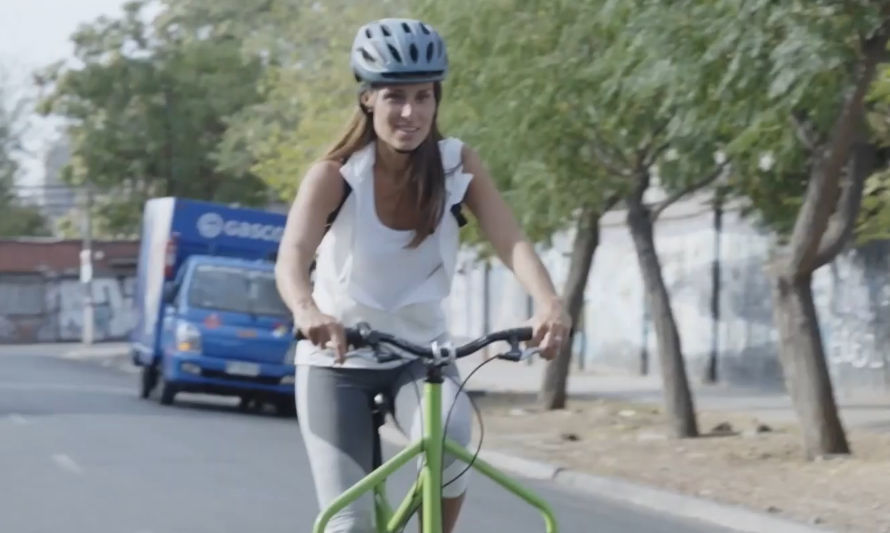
x,y
517,355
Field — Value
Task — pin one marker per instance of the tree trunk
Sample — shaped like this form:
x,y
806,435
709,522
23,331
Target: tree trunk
x,y
677,396
554,386
710,375
804,365
794,313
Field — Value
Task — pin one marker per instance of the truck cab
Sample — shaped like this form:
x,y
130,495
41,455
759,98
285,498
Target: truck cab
x,y
210,318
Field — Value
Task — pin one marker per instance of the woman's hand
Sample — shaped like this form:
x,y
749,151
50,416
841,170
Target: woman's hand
x,y
323,331
551,326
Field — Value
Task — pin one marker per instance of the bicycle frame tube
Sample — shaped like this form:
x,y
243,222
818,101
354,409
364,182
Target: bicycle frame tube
x,y
431,449
506,482
366,484
432,467
411,503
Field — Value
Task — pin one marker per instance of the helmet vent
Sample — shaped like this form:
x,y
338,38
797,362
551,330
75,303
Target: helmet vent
x,y
368,57
368,33
395,53
385,30
425,29
413,51
406,27
429,51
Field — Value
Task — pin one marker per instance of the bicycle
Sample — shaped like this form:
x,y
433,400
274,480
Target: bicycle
x,y
426,494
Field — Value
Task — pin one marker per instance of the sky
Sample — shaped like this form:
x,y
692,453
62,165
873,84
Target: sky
x,y
33,34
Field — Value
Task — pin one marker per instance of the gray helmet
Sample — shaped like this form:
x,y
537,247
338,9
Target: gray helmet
x,y
398,51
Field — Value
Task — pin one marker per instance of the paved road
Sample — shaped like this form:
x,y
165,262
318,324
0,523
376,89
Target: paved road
x,y
80,453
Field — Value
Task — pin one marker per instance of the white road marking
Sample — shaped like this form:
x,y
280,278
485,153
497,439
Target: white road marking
x,y
18,419
66,463
65,387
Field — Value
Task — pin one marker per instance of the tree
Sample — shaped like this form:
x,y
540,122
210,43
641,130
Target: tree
x,y
310,91
15,219
148,110
498,101
793,79
573,122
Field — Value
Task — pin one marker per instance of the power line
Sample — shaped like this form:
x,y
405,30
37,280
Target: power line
x,y
31,187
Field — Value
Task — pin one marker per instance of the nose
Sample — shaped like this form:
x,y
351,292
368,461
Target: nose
x,y
407,110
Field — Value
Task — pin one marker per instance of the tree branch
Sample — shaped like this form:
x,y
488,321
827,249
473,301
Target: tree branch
x,y
803,128
820,199
840,226
659,207
648,154
655,154
614,162
611,202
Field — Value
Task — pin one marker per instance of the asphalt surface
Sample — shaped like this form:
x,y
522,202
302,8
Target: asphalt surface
x,y
81,453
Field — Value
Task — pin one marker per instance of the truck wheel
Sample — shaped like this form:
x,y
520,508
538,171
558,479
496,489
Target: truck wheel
x,y
168,391
148,380
286,407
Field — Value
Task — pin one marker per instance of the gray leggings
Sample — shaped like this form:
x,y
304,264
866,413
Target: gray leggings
x,y
333,405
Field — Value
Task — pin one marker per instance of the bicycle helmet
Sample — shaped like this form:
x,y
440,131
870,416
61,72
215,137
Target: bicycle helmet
x,y
395,50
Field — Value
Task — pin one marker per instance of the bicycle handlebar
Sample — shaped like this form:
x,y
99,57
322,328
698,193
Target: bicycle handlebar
x,y
362,335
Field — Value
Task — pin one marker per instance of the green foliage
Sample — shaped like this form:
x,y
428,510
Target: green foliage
x,y
874,218
15,219
520,102
763,66
18,220
310,91
567,104
148,109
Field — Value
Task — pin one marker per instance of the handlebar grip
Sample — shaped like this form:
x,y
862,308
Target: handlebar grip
x,y
353,336
523,334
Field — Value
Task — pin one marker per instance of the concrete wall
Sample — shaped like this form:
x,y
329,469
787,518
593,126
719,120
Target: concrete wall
x,y
852,297
38,309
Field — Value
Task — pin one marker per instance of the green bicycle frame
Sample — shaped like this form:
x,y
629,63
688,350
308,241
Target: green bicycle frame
x,y
427,491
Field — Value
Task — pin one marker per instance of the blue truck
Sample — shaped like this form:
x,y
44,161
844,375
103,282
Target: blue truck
x,y
209,316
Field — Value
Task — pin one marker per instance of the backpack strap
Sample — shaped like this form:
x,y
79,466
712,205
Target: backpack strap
x,y
347,189
458,214
456,210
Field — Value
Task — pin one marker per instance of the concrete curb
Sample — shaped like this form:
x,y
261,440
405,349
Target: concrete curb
x,y
107,356
625,492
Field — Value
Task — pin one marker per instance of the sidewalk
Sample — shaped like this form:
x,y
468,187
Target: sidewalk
x,y
870,412
108,354
745,470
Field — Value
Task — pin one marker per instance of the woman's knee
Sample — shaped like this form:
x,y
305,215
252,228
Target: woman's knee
x,y
456,418
352,520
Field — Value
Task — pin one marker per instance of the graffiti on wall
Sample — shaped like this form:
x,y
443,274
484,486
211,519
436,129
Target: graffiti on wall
x,y
112,308
852,298
57,311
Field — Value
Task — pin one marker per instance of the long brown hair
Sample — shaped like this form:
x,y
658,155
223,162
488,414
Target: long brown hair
x,y
426,174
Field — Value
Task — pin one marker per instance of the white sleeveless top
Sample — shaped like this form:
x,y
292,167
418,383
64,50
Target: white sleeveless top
x,y
365,273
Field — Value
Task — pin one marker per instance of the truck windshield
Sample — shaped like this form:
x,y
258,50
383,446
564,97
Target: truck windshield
x,y
236,289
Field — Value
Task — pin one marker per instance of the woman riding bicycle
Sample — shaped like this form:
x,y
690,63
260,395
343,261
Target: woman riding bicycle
x,y
379,210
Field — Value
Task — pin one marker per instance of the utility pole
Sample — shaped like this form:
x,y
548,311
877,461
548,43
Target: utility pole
x,y
86,268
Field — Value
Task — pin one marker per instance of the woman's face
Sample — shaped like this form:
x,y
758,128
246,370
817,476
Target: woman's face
x,y
403,114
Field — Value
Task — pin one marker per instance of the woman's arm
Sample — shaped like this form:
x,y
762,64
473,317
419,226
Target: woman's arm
x,y
500,227
319,194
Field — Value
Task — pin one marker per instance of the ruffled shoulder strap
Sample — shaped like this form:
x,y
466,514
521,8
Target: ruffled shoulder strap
x,y
456,180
